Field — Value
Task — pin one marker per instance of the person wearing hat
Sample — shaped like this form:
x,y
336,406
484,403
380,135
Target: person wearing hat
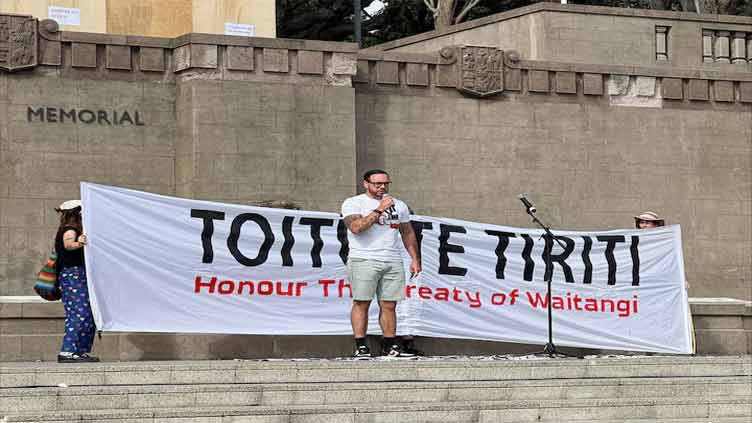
x,y
648,220
71,272
651,220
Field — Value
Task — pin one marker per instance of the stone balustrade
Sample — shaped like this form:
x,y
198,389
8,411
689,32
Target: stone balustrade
x,y
721,46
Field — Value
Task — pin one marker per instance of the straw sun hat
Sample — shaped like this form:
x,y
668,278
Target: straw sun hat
x,y
648,216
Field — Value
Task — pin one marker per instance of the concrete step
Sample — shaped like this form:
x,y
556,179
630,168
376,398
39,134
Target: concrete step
x,y
164,396
610,410
430,369
683,420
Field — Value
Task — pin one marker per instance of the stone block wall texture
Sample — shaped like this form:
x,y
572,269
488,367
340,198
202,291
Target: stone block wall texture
x,y
243,142
521,33
156,18
248,119
42,163
594,35
215,125
587,164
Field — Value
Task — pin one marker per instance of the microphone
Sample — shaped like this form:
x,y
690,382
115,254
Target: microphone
x,y
528,205
391,211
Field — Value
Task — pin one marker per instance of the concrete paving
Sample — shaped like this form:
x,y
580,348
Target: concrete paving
x,y
162,396
470,389
344,370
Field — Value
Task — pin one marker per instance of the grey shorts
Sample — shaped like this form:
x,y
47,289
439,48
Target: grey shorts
x,y
385,280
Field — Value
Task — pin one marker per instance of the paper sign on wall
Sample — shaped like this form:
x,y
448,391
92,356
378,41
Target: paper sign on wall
x,y
243,30
64,15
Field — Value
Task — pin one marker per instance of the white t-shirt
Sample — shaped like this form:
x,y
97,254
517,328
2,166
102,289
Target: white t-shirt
x,y
381,241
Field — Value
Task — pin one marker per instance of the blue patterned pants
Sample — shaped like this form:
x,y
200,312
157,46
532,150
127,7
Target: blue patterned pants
x,y
79,322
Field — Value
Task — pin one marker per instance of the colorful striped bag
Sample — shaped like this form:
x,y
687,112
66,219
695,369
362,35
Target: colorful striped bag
x,y
47,286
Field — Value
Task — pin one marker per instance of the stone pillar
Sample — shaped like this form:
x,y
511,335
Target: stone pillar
x,y
738,48
661,45
722,47
749,47
707,46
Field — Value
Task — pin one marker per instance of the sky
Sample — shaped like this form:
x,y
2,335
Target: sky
x,y
374,7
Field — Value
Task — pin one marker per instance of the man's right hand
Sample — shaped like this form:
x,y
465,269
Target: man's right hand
x,y
385,203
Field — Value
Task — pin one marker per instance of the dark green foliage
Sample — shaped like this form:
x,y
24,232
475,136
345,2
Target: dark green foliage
x,y
399,19
331,20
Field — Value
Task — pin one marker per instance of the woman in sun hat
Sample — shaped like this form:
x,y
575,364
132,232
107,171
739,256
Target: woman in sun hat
x,y
79,321
648,220
651,220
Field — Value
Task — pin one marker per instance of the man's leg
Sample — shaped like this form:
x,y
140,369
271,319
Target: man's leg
x,y
359,318
390,291
363,277
388,318
390,345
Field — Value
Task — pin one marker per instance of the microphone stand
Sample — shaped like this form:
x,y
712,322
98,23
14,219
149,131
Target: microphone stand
x,y
550,348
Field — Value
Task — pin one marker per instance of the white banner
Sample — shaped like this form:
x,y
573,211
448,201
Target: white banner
x,y
165,264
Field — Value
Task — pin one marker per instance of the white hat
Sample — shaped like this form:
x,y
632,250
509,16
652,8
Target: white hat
x,y
69,205
649,216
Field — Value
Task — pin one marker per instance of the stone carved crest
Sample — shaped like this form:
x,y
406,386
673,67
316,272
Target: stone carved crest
x,y
481,70
18,42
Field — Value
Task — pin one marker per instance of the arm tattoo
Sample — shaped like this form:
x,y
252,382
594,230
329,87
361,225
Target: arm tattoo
x,y
357,223
351,219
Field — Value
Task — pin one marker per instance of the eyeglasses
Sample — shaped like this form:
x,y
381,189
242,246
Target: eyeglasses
x,y
379,184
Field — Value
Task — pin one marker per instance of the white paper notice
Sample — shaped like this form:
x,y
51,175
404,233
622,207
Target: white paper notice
x,y
64,15
244,30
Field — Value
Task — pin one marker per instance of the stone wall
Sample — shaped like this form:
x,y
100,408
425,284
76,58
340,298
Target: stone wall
x,y
520,29
43,161
601,35
252,119
242,141
592,145
211,117
159,18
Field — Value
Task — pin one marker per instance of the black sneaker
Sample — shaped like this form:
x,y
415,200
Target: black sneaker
x,y
408,347
411,351
396,351
362,352
85,357
77,358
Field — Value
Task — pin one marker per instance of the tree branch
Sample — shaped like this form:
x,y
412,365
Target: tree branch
x,y
465,10
431,5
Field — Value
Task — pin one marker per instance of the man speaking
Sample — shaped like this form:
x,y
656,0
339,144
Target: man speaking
x,y
374,264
